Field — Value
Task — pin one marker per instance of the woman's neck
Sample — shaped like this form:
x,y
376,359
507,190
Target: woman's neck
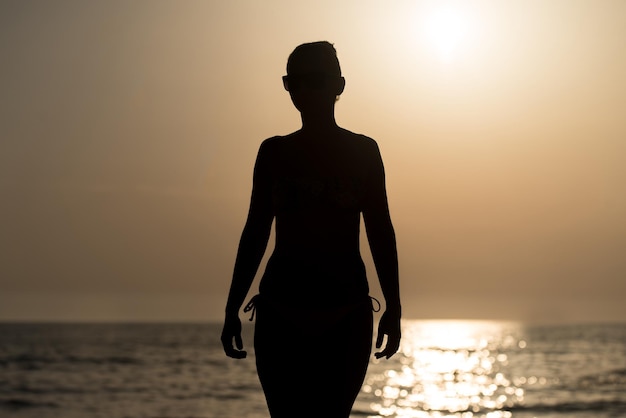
x,y
318,123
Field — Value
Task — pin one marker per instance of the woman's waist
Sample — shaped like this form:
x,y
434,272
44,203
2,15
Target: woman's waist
x,y
315,280
309,274
314,294
313,256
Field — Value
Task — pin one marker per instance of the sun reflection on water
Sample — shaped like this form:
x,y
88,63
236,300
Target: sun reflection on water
x,y
447,369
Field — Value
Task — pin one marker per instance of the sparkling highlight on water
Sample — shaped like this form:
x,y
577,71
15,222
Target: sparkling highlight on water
x,y
448,368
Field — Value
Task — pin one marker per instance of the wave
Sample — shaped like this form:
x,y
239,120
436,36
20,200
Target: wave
x,y
615,377
570,407
33,361
36,361
18,403
538,408
22,388
104,360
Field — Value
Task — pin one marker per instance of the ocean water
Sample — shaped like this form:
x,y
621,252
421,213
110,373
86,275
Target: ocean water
x,y
444,369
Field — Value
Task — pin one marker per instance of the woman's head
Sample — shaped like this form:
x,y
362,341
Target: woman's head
x,y
318,56
313,77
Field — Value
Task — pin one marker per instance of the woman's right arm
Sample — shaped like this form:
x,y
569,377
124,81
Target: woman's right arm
x,y
252,246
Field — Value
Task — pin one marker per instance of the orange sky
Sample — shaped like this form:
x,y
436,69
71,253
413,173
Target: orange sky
x,y
129,132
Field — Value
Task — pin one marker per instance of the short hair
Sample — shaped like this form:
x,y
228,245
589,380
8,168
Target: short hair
x,y
323,49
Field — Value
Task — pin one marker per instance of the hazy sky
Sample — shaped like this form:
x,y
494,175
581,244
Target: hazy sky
x,y
129,129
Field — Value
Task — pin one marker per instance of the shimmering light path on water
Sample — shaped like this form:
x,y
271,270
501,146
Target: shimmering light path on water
x,y
448,368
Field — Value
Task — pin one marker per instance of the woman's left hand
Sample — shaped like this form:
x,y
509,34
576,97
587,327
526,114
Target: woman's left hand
x,y
389,325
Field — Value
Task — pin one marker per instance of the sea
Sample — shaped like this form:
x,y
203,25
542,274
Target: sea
x,y
456,369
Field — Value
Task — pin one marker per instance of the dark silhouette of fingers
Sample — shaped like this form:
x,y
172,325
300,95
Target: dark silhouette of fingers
x,y
236,353
379,339
391,348
393,344
231,352
227,343
387,353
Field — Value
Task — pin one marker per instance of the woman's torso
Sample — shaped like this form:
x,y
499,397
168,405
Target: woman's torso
x,y
318,188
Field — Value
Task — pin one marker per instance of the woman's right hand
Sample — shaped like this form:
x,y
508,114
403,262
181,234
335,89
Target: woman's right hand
x,y
232,330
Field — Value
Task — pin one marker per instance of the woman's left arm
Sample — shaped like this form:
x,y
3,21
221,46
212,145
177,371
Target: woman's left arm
x,y
382,241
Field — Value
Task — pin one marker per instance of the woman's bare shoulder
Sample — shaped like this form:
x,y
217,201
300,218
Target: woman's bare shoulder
x,y
277,140
361,141
270,145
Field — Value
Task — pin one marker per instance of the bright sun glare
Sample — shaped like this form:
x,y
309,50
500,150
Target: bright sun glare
x,y
446,29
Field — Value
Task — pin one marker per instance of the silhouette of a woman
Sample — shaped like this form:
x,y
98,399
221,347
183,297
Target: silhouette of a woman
x,y
313,332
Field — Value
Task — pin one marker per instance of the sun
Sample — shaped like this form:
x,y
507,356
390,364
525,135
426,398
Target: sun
x,y
445,30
